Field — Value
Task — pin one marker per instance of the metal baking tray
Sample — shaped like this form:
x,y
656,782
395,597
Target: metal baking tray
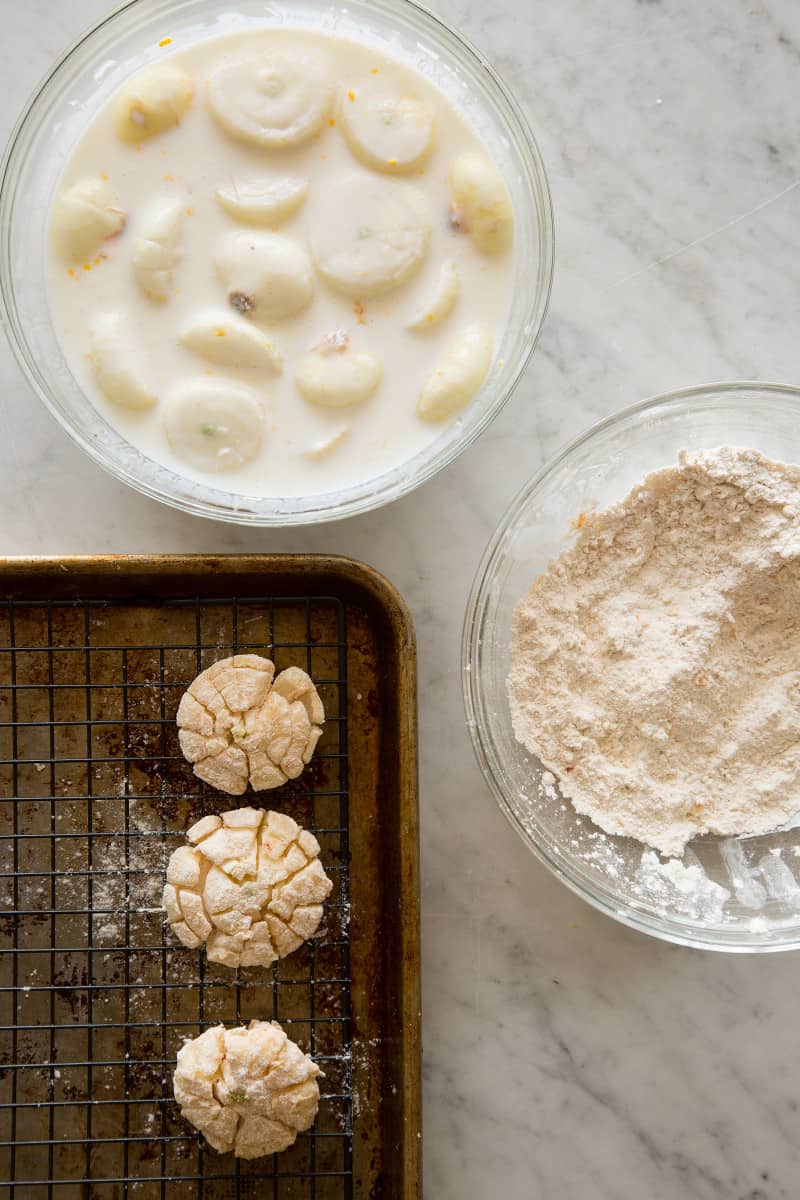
x,y
95,996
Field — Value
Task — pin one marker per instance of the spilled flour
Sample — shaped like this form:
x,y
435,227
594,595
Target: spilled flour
x,y
656,663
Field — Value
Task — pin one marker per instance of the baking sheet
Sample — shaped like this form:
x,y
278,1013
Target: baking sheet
x,y
95,996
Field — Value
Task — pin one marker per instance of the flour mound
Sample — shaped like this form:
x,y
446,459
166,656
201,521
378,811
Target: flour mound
x,y
656,664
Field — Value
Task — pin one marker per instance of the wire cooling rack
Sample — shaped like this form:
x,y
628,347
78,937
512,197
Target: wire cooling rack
x,y
95,995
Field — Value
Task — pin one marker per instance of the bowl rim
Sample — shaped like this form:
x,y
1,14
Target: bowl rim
x,y
371,493
666,930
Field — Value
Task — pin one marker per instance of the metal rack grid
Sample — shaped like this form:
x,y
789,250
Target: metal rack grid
x,y
95,995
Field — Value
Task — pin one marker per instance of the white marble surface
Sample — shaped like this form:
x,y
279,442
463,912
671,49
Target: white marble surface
x,y
565,1055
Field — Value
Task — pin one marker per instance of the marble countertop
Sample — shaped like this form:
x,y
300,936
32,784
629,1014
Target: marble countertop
x,y
565,1056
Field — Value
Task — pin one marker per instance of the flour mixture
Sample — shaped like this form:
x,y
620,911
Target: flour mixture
x,y
656,664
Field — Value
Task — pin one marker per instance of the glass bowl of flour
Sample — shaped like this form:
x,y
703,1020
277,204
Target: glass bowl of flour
x,y
302,462
735,893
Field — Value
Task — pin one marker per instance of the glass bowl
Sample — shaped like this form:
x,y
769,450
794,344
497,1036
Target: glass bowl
x,y
85,78
735,894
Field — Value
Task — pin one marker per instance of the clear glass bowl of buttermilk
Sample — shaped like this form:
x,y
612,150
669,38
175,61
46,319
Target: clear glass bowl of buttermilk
x,y
735,894
146,32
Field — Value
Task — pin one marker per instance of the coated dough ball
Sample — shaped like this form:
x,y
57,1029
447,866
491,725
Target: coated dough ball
x,y
264,201
248,1090
267,275
83,216
346,376
441,301
250,886
230,341
386,130
272,99
370,234
156,252
117,362
216,426
481,203
458,376
152,101
240,722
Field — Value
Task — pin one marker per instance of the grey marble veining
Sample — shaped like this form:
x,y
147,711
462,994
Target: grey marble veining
x,y
566,1057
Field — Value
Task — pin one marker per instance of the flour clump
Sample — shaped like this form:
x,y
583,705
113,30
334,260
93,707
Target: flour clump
x,y
656,663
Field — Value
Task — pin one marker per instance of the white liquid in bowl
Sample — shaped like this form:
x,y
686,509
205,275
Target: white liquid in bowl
x,y
189,163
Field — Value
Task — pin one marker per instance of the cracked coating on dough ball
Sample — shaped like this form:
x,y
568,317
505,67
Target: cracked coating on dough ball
x,y
250,885
248,1090
239,722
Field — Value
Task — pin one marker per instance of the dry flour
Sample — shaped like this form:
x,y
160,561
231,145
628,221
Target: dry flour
x,y
656,664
